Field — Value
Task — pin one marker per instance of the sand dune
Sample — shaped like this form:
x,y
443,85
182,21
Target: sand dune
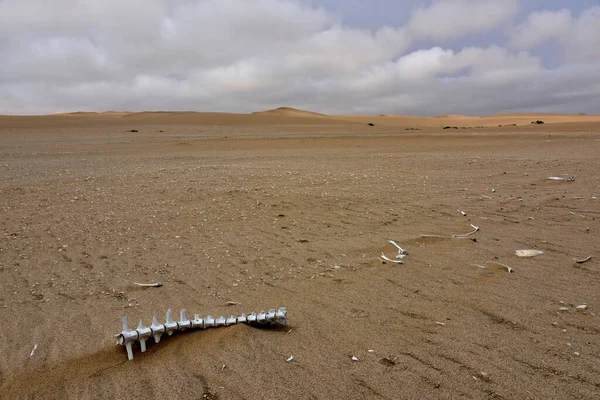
x,y
288,116
453,116
471,121
290,112
273,209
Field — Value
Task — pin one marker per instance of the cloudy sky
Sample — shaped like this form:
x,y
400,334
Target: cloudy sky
x,y
423,57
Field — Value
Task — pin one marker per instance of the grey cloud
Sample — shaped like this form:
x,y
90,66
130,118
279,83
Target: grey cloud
x,y
449,19
241,56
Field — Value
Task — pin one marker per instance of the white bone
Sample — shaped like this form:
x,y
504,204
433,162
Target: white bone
x,y
588,258
400,249
170,326
183,321
386,258
209,322
219,322
143,334
33,351
157,284
476,229
197,322
156,330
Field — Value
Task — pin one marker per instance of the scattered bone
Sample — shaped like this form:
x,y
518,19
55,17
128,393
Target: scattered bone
x,y
578,215
435,236
354,358
588,258
480,266
562,178
509,269
401,252
475,230
563,309
289,359
440,323
448,237
33,351
234,303
582,307
456,236
157,284
528,253
464,214
485,197
383,257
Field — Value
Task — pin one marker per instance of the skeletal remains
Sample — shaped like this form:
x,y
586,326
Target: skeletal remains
x,y
142,333
562,178
401,254
157,284
456,236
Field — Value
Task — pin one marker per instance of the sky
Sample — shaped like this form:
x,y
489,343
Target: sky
x,y
415,57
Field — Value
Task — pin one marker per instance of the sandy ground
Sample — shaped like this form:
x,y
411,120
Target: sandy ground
x,y
291,209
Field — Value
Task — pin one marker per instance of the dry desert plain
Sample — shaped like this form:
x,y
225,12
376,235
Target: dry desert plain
x,y
290,208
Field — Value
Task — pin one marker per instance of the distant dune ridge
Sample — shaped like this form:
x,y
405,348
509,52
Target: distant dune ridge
x,y
292,116
289,111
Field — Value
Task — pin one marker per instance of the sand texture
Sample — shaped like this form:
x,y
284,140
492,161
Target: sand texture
x,y
291,208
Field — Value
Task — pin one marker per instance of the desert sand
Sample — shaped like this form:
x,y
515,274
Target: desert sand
x,y
293,208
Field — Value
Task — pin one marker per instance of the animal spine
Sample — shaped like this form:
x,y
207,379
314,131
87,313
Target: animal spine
x,y
142,333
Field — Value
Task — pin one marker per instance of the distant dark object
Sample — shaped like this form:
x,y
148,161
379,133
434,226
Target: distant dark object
x,y
161,131
538,122
451,127
412,129
370,124
133,130
513,124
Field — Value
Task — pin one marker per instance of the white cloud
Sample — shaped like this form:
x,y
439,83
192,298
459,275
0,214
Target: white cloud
x,y
540,27
582,44
239,55
577,36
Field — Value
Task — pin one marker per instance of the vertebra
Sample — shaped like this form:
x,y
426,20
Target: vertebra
x,y
142,333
